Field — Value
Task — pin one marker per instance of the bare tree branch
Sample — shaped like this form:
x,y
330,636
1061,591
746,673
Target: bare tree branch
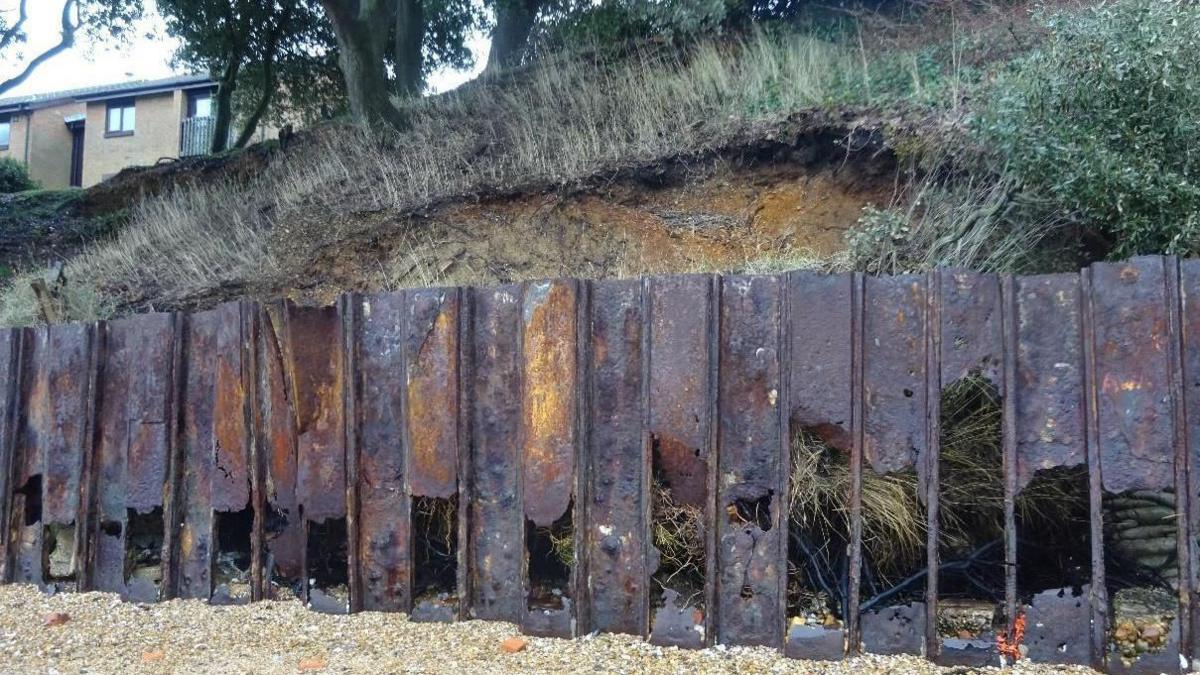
x,y
70,24
13,31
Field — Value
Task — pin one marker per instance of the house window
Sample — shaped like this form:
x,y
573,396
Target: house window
x,y
200,104
120,118
5,131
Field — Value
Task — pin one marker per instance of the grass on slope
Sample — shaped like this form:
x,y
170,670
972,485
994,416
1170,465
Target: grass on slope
x,y
565,120
558,123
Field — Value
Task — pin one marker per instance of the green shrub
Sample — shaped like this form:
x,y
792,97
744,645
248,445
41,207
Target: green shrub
x,y
14,177
1104,122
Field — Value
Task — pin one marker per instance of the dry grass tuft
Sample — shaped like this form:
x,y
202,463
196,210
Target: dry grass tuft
x,y
562,543
971,484
893,518
678,534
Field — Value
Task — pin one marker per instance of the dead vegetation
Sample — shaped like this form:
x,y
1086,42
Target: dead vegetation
x,y
677,532
560,124
879,86
893,515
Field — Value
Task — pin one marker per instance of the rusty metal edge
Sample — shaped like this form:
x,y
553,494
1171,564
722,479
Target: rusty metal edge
x,y
86,523
645,508
250,317
783,465
933,444
519,360
405,452
582,479
349,312
580,601
283,335
712,509
465,370
1183,496
857,410
12,410
1193,482
1098,593
170,560
1008,321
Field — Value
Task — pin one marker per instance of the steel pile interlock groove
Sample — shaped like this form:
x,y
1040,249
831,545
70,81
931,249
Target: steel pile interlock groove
x,y
527,401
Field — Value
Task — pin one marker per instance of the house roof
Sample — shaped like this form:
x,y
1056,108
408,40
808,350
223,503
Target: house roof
x,y
103,92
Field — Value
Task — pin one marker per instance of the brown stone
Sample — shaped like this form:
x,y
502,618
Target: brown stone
x,y
56,619
153,657
311,664
513,645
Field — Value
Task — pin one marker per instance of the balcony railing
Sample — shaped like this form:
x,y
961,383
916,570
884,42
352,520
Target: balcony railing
x,y
196,136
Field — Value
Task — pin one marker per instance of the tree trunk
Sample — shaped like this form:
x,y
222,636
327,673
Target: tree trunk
x,y
268,77
514,21
259,110
224,104
362,29
410,36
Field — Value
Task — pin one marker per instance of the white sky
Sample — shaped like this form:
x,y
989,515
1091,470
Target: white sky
x,y
147,55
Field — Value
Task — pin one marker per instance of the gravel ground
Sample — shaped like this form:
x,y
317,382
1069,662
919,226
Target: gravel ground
x,y
105,635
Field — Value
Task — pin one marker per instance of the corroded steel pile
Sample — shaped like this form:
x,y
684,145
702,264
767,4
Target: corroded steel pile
x,y
281,434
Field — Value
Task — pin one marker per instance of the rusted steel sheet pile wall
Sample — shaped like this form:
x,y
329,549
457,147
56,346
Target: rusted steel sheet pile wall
x,y
525,404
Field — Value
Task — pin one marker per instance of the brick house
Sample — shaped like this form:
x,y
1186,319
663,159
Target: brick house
x,y
83,136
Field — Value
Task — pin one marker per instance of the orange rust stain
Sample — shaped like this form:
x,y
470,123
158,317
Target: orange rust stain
x,y
1111,384
549,401
187,540
229,417
432,395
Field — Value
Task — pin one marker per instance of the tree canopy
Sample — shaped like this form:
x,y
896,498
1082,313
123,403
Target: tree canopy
x,y
256,47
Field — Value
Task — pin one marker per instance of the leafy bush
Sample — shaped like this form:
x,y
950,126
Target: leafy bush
x,y
1104,122
14,177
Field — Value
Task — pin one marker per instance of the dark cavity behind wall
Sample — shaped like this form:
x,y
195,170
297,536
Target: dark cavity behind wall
x,y
435,549
550,555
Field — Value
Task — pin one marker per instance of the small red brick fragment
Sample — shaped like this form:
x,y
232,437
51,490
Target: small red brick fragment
x,y
513,645
153,657
312,664
55,619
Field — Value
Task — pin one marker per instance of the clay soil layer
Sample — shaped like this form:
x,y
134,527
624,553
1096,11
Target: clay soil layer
x,y
101,634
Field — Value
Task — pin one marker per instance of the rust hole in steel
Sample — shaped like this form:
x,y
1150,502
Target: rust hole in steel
x,y
435,550
893,572
231,565
818,531
284,576
752,512
328,561
276,521
30,495
111,528
144,534
971,493
550,553
58,552
1053,542
1141,570
677,528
